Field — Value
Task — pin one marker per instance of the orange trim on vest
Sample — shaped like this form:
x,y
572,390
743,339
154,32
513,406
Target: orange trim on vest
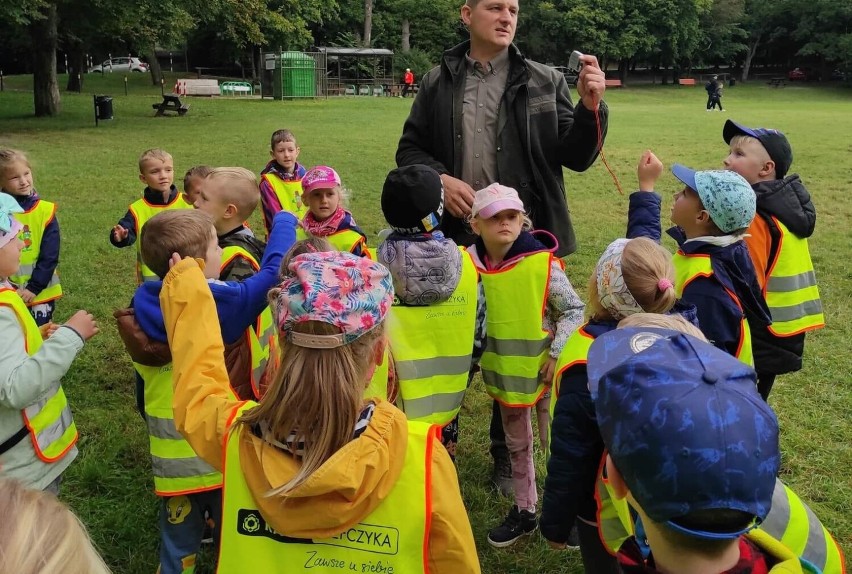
x,y
434,433
598,504
771,266
234,256
149,204
557,379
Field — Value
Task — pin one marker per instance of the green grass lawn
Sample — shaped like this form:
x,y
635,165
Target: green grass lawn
x,y
92,174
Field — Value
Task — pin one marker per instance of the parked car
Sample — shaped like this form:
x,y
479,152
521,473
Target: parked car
x,y
120,65
803,75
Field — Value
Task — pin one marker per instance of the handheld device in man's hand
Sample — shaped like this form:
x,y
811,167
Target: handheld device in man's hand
x,y
574,63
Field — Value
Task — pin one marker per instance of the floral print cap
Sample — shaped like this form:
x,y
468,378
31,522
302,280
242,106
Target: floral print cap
x,y
352,293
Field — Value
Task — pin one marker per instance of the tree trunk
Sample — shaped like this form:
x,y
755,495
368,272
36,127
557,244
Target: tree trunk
x,y
153,65
623,67
77,67
752,50
45,84
406,35
368,23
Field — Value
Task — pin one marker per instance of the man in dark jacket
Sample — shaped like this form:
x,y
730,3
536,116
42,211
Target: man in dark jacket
x,y
521,131
486,114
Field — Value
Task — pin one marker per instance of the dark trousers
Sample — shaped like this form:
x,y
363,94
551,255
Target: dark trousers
x,y
497,434
764,384
596,559
405,89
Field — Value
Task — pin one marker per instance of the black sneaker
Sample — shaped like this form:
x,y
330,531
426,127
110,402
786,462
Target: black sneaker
x,y
573,542
501,477
518,523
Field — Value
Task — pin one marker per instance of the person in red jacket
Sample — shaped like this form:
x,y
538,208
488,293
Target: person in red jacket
x,y
408,81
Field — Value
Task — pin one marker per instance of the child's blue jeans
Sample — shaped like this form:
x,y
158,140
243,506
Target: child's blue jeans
x,y
182,522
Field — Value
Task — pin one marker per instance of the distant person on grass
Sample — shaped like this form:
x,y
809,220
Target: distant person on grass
x,y
714,94
407,82
777,241
281,179
315,474
37,432
36,279
188,487
488,115
157,172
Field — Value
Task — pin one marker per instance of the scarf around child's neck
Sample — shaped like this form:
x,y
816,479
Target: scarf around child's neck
x,y
327,226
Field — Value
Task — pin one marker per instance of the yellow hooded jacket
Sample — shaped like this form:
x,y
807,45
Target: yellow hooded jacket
x,y
343,491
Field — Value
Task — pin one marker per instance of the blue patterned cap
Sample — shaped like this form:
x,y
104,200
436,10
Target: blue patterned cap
x,y
685,427
726,195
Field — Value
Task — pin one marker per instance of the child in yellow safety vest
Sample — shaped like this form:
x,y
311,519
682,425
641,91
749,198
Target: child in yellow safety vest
x,y
632,276
157,172
230,195
324,196
777,242
281,179
37,280
187,486
694,451
532,310
713,269
315,475
37,431
436,327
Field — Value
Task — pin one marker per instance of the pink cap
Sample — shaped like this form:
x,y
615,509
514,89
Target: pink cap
x,y
495,198
320,177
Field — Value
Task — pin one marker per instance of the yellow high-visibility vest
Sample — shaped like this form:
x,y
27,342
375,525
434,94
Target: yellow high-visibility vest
x,y
263,337
35,221
689,268
289,194
49,421
345,240
791,289
432,348
142,211
177,469
575,352
517,344
789,522
378,386
392,538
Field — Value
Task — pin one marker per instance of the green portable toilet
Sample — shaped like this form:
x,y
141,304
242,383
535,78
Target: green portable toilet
x,y
297,73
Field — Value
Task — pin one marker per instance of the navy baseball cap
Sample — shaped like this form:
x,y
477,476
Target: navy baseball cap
x,y
686,428
774,142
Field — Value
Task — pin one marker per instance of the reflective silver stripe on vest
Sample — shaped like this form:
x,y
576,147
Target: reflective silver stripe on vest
x,y
25,270
778,520
791,282
57,428
180,467
793,312
510,383
162,428
437,403
517,347
423,368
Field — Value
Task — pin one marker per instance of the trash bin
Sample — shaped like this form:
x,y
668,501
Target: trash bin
x,y
732,82
103,107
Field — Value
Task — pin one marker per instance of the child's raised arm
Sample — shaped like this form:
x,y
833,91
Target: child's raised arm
x,y
239,304
643,215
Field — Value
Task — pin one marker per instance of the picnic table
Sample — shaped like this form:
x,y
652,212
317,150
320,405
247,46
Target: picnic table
x,y
170,103
777,82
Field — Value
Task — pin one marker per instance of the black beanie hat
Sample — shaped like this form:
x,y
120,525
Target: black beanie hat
x,y
413,199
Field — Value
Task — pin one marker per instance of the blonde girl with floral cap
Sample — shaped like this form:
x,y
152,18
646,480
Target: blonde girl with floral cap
x,y
315,475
